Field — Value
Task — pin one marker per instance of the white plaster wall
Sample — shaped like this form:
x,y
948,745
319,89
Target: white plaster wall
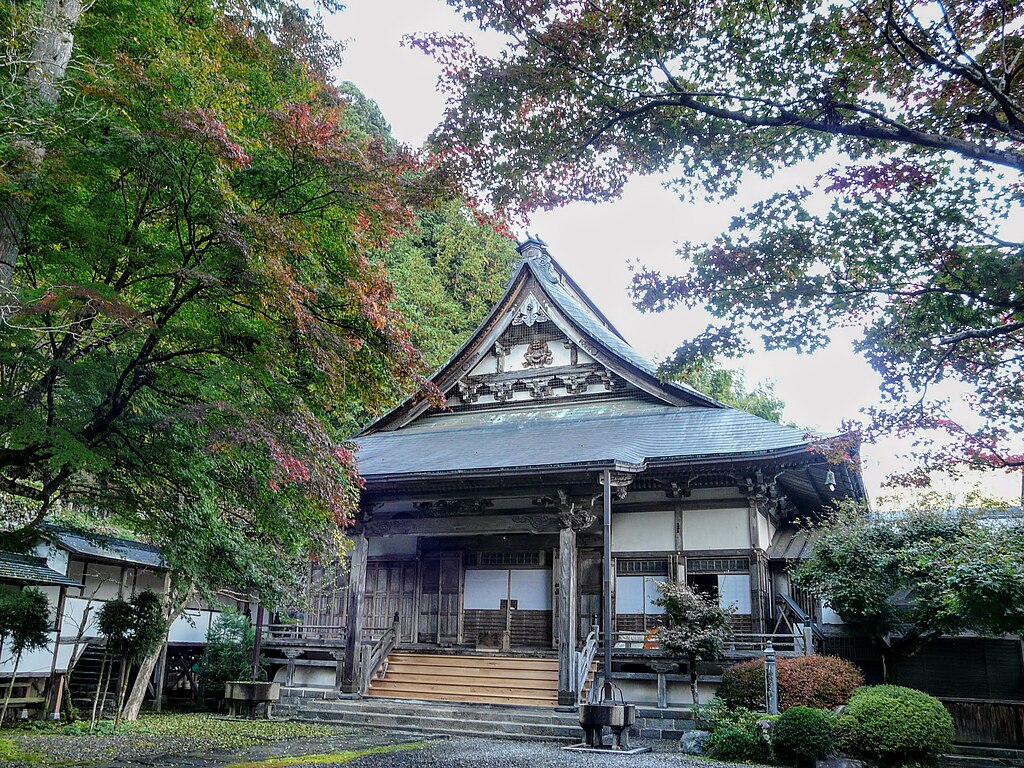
x,y
646,692
715,529
151,580
191,626
391,545
764,531
307,677
644,532
828,616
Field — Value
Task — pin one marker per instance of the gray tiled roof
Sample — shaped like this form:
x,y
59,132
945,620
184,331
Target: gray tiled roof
x,y
564,436
107,547
25,569
581,315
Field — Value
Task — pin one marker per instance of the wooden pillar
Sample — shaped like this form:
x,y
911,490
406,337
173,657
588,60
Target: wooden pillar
x,y
567,612
161,679
356,613
757,619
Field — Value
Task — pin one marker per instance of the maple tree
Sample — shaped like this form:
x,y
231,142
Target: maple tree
x,y
916,104
193,315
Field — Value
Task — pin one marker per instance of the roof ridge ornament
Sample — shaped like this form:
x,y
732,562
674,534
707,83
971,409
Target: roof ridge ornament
x,y
535,251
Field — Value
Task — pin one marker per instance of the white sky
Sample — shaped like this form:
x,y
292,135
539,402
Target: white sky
x,y
595,242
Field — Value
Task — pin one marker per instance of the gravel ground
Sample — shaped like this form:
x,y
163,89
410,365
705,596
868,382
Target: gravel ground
x,y
434,752
485,753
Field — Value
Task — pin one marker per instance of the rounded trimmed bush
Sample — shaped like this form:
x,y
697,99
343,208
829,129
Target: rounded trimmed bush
x,y
743,685
802,735
894,725
736,735
821,682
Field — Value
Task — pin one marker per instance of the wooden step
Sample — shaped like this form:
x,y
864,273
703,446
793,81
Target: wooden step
x,y
512,680
482,662
507,698
464,678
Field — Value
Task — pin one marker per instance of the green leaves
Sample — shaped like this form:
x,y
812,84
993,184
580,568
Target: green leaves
x,y
24,621
917,576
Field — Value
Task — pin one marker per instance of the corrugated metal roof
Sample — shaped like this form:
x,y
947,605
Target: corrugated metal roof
x,y
26,569
570,435
107,547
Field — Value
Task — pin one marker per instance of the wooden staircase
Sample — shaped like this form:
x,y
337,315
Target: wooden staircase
x,y
528,682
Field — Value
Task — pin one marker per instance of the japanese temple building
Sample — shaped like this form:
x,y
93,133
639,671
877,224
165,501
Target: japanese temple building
x,y
480,523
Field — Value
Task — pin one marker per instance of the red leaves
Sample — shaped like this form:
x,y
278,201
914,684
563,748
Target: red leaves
x,y
204,126
879,180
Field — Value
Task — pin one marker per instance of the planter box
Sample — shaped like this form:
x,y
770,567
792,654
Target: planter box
x,y
249,693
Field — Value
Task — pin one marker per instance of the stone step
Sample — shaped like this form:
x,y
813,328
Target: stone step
x,y
492,713
419,722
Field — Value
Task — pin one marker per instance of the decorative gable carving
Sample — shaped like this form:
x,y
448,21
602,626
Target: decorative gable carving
x,y
531,311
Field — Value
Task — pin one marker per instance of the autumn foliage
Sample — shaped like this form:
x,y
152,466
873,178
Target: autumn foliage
x,y
820,682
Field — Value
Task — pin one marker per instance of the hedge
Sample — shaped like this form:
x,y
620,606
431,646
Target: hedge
x,y
802,735
820,682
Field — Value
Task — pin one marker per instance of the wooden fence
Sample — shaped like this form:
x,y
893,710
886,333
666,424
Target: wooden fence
x,y
986,722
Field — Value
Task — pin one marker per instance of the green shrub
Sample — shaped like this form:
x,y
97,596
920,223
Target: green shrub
x,y
802,735
228,655
821,682
894,726
735,735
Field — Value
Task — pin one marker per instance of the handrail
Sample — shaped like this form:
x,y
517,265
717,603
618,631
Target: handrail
x,y
373,656
583,660
800,614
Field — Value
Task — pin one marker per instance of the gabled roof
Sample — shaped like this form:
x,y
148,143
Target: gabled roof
x,y
570,310
644,423
26,569
101,547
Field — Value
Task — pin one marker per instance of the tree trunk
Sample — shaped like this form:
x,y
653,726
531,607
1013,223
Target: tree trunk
x,y
694,692
122,687
10,688
51,52
133,706
890,664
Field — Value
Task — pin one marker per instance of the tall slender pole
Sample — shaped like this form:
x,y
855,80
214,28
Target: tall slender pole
x,y
607,479
258,642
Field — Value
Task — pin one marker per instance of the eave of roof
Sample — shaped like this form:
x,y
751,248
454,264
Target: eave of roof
x,y
102,547
562,438
27,569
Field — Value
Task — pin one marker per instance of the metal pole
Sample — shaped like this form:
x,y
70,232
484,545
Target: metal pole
x,y
607,479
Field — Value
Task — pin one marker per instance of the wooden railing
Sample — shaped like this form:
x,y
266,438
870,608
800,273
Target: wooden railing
x,y
583,660
372,656
755,644
291,631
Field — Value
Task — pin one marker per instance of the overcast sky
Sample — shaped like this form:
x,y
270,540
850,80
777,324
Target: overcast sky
x,y
595,243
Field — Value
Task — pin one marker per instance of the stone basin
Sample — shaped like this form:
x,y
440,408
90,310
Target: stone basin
x,y
250,695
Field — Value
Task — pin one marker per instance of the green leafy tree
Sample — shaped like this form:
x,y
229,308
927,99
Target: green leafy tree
x,y
908,579
698,627
448,271
728,387
228,653
24,626
923,104
193,324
